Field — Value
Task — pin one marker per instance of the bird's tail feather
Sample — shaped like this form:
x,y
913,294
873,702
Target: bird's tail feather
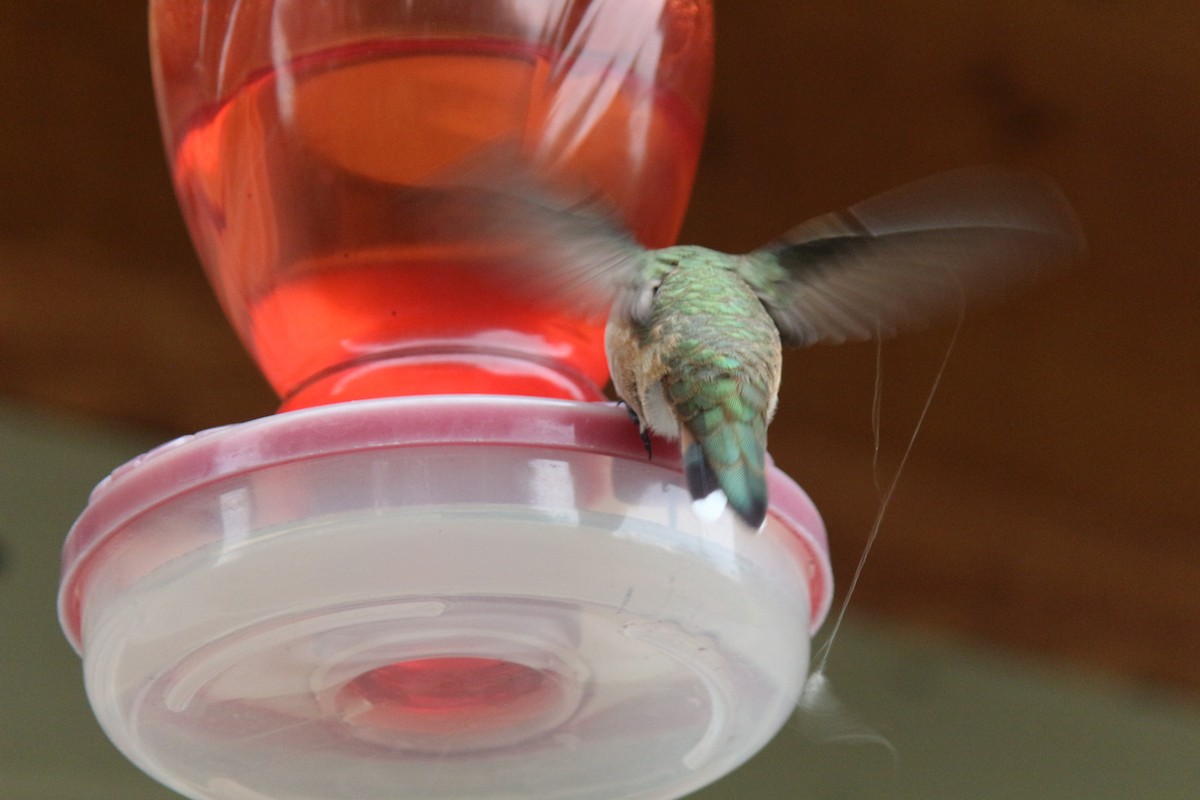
x,y
728,456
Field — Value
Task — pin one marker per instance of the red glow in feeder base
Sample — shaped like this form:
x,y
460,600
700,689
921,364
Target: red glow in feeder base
x,y
446,688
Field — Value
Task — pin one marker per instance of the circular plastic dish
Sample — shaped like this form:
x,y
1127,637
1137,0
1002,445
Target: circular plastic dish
x,y
437,597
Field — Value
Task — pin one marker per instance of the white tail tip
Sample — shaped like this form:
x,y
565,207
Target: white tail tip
x,y
709,509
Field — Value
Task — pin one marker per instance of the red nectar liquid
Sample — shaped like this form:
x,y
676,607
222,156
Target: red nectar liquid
x,y
297,189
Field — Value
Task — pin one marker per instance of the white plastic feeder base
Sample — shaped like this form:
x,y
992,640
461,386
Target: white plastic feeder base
x,y
457,597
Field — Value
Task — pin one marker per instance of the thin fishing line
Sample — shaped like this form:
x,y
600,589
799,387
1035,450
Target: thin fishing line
x,y
823,654
877,418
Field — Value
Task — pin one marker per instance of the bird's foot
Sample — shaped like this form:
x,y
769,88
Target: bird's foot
x,y
642,430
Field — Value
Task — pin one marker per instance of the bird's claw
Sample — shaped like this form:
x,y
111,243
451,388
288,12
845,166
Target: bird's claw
x,y
642,430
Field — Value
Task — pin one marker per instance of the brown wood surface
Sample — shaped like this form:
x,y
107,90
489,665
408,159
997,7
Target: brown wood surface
x,y
1050,504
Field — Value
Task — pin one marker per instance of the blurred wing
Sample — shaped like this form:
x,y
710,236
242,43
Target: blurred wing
x,y
553,241
912,256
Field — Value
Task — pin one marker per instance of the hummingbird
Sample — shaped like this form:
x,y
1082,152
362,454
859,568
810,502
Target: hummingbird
x,y
694,336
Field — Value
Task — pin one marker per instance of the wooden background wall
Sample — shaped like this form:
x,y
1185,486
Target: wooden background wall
x,y
1051,503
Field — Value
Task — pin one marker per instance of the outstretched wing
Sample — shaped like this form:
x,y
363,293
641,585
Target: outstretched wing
x,y
546,237
912,256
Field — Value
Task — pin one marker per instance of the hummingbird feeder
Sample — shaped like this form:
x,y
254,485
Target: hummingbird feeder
x,y
446,568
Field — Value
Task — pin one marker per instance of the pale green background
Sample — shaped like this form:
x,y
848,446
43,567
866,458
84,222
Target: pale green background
x,y
968,723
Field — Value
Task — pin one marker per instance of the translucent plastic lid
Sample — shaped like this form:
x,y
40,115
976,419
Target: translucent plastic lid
x,y
436,597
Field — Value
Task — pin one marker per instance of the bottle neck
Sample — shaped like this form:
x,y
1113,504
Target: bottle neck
x,y
439,371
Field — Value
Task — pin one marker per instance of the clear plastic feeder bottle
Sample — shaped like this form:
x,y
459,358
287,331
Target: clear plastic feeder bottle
x,y
443,570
